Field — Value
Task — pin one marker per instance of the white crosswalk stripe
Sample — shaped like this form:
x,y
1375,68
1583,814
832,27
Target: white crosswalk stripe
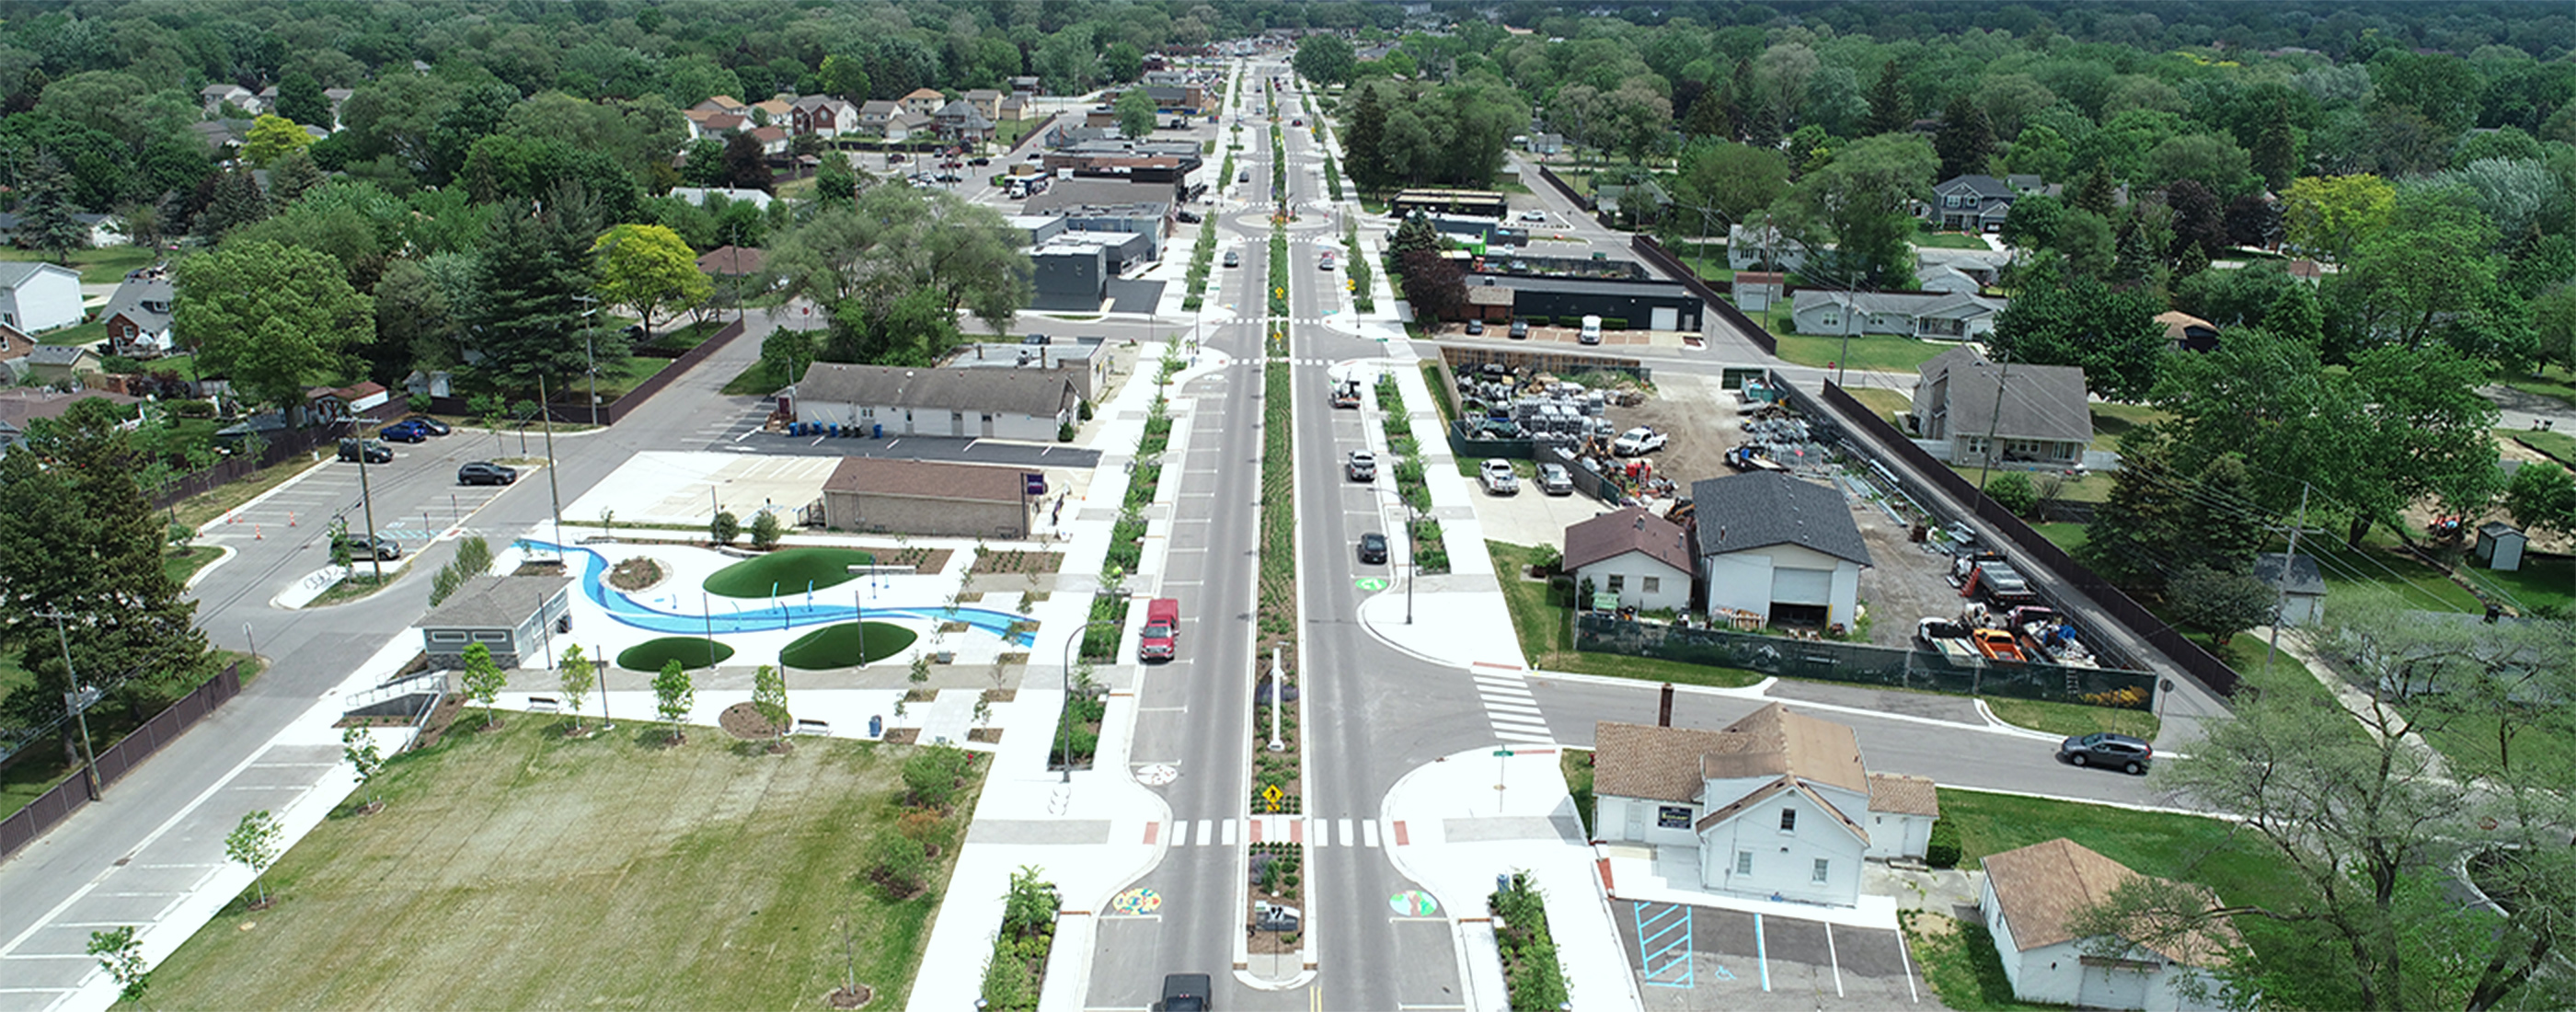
x,y
1229,832
1368,832
1346,832
1319,832
1205,826
1510,709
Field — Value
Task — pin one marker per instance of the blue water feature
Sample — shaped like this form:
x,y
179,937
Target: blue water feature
x,y
594,567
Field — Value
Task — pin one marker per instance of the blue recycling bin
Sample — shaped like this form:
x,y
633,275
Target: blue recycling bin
x,y
796,428
878,429
836,430
876,727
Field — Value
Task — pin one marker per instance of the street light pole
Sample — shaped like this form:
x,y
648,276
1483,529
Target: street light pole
x,y
546,416
77,700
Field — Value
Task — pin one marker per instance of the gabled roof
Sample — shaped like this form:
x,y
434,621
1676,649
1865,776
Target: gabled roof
x,y
732,260
2043,886
494,602
1982,185
1898,794
1766,792
1765,508
59,354
1938,305
1773,741
1649,761
1626,530
134,301
922,93
774,107
20,406
2178,323
810,103
2302,576
14,273
927,479
1000,390
879,108
983,94
2045,402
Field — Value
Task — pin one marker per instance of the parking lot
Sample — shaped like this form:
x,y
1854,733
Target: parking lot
x,y
1703,958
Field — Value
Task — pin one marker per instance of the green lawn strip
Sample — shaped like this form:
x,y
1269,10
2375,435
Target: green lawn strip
x,y
1871,353
1959,960
2540,583
2067,536
1948,240
2420,585
1882,400
1442,394
1576,764
360,583
181,564
2185,848
691,651
2558,445
104,265
2111,421
2092,487
2471,738
787,571
2073,719
846,645
516,869
1547,638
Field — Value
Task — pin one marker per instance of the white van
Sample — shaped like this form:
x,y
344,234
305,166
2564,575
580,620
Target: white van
x,y
1591,330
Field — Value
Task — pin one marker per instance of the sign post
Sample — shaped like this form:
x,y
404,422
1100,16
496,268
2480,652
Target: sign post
x,y
1502,756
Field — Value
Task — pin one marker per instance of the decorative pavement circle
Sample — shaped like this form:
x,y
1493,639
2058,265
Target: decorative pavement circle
x,y
1157,774
1370,583
1137,902
1413,903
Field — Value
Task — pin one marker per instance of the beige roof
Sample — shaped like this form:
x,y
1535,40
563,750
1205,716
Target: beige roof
x,y
1027,392
923,93
1648,761
1490,295
1773,741
774,107
495,602
927,479
1898,794
2176,321
2043,886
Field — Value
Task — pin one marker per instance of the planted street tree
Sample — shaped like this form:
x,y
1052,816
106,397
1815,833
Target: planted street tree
x,y
650,269
673,695
121,955
579,676
484,680
255,843
358,749
765,530
769,696
724,529
272,317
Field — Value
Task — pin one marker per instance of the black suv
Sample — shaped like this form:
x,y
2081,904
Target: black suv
x,y
2118,751
373,451
1372,547
484,472
1184,992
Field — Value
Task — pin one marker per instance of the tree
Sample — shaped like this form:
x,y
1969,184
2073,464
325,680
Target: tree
x,y
2196,220
45,209
845,78
1123,61
2542,497
2207,158
673,694
1362,135
765,530
1135,111
530,281
2253,222
2012,491
271,138
1861,205
836,184
1736,180
358,749
300,99
746,167
2429,267
769,696
1325,59
2112,335
650,270
1891,106
1966,141
1711,117
2329,216
2275,156
2033,221
484,681
2095,194
121,955
579,676
255,843
2134,529
1434,285
2219,602
1416,235
272,317
724,529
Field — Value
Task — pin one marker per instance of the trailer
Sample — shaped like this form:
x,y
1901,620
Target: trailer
x,y
1950,638
1998,583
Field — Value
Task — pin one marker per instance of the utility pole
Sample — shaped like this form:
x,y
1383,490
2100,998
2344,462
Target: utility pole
x,y
77,699
553,488
1987,466
2281,601
367,502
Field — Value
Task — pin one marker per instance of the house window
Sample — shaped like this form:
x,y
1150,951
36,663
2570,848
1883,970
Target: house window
x,y
1615,583
867,412
1744,862
1823,867
1650,584
446,637
1788,820
1672,817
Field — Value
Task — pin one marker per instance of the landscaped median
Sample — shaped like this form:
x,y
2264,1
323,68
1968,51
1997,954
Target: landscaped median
x,y
1429,553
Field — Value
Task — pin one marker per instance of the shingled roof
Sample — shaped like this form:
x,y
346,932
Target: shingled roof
x,y
1672,763
1027,392
2041,888
1621,531
495,602
1766,508
2045,402
927,479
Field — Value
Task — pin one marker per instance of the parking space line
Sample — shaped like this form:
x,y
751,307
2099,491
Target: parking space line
x,y
1835,957
1761,952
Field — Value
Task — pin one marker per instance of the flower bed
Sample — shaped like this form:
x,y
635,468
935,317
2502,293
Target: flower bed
x,y
1530,967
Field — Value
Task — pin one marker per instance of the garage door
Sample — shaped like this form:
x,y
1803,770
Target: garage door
x,y
1667,318
1802,586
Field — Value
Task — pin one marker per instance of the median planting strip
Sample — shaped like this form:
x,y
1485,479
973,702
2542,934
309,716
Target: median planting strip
x,y
1278,782
1429,554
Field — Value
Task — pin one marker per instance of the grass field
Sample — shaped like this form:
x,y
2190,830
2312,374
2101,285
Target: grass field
x,y
690,651
102,266
2111,421
1547,640
2072,719
2421,586
1875,353
846,645
516,869
1948,240
788,571
2554,443
2186,848
2067,536
2539,583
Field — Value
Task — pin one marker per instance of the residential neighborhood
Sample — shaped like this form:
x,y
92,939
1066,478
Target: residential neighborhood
x,y
1073,506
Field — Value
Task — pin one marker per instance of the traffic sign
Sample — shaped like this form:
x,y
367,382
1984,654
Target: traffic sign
x,y
1271,796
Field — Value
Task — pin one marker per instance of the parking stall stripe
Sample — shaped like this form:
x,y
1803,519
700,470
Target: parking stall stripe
x,y
1835,957
1761,952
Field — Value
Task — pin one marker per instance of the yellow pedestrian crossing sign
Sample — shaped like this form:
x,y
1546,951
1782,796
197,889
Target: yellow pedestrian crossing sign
x,y
1270,797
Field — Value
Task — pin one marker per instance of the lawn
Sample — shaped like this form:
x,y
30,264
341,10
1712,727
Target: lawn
x,y
846,645
2540,583
2111,421
1959,960
1871,353
788,571
197,509
41,765
1882,400
2072,719
102,266
2185,848
1547,639
517,869
2558,445
184,563
690,651
2420,585
1948,240
2550,381
88,333
2093,487
2067,536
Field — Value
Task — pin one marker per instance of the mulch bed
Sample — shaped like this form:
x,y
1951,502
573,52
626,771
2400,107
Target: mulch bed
x,y
636,574
987,735
1001,695
842,997
440,720
903,736
743,720
1015,561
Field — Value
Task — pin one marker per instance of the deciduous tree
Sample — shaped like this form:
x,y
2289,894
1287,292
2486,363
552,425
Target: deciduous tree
x,y
484,680
358,749
1325,58
578,677
649,269
673,695
271,138
1861,205
121,955
255,843
2331,215
2112,335
1135,110
769,696
272,317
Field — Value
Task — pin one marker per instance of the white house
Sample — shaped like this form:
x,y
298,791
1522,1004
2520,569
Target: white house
x,y
1946,316
1776,550
698,195
2033,896
1777,804
37,297
2043,418
1027,404
215,95
1642,559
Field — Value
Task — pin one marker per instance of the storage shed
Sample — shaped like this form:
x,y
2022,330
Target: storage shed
x,y
2500,546
516,617
929,498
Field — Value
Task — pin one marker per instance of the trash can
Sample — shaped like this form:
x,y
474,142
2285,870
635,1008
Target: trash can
x,y
877,429
836,430
876,727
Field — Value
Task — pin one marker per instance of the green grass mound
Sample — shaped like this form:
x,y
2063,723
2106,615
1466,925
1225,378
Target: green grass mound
x,y
790,571
690,651
846,645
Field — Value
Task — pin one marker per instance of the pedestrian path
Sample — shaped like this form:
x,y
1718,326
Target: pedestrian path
x,y
1313,832
1509,707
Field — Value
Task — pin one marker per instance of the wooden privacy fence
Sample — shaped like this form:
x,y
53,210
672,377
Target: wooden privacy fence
x,y
2192,658
52,807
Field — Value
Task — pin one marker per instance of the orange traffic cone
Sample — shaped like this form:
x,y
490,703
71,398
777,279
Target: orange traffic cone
x,y
254,533
290,518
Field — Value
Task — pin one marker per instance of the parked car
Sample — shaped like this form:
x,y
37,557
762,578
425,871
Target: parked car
x,y
432,425
1184,992
1233,259
374,452
1475,326
1498,478
979,160
484,472
1533,214
1591,332
1520,329
1327,262
1554,480
1187,216
2117,751
1373,547
406,431
1637,442
1161,637
1362,466
364,547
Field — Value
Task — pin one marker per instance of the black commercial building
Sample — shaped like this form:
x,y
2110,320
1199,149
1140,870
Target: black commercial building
x,y
1644,304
